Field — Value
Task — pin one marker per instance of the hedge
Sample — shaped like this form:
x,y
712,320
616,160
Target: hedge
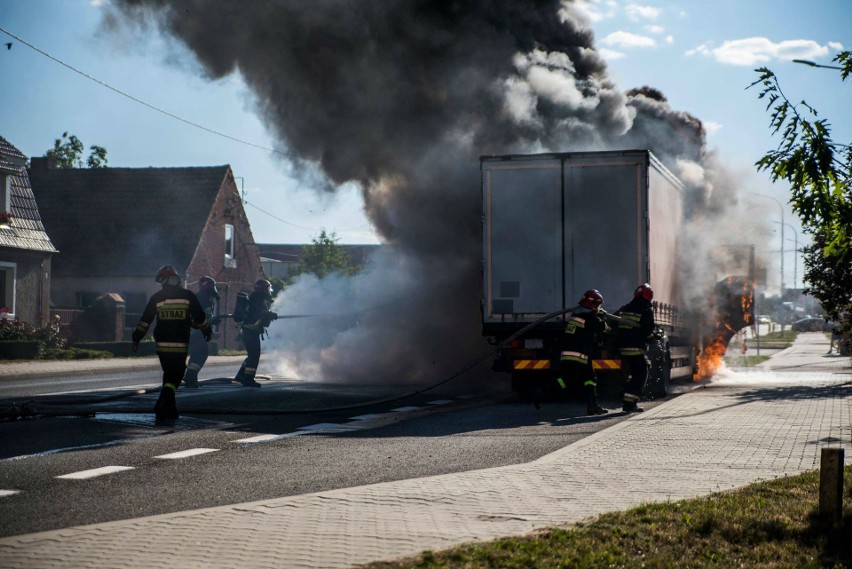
x,y
19,349
125,349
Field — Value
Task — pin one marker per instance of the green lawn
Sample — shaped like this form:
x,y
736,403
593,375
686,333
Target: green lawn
x,y
772,525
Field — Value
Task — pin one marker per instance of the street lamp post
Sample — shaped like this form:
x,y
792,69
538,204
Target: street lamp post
x,y
781,207
795,250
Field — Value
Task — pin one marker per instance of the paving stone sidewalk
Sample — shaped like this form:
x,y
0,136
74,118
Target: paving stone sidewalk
x,y
45,368
740,428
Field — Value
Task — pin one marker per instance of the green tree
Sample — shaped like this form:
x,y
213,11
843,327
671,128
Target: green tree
x,y
818,170
324,257
67,152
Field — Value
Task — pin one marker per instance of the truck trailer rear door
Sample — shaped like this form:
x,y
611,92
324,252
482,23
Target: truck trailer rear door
x,y
522,238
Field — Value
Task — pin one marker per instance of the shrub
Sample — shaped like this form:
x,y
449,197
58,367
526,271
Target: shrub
x,y
48,336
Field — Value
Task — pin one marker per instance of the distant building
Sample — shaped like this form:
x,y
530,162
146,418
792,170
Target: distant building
x,y
25,248
115,227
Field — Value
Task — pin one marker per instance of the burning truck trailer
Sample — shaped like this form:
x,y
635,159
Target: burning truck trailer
x,y
558,224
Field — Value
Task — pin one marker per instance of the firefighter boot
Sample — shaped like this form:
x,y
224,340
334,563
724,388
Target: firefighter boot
x,y
190,380
165,410
592,407
630,404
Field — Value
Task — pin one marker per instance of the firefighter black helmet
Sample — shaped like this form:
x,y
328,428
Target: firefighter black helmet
x,y
592,299
645,291
262,285
206,282
167,275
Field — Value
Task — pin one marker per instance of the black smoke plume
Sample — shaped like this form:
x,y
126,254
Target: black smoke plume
x,y
402,97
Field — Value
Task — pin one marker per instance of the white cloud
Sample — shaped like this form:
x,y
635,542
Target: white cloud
x,y
591,10
610,54
703,49
96,3
654,29
835,45
637,12
669,39
628,40
758,50
712,127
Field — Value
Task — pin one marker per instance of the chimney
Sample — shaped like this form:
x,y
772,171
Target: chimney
x,y
42,163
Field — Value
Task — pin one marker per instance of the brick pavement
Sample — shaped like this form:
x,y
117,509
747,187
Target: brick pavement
x,y
742,427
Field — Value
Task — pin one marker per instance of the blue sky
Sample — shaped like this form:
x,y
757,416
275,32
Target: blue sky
x,y
701,55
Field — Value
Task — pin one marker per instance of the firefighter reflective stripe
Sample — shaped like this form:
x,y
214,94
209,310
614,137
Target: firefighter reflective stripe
x,y
531,364
171,386
574,357
630,398
142,326
194,367
629,320
173,309
255,327
175,347
632,351
606,364
561,382
173,301
591,382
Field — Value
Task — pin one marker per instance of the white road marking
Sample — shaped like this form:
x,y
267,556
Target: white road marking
x,y
404,409
369,416
4,493
269,438
187,453
83,474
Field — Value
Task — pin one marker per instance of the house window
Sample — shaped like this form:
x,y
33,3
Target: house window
x,y
230,259
7,289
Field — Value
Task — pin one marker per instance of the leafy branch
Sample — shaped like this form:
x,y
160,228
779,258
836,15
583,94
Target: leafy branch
x,y
816,167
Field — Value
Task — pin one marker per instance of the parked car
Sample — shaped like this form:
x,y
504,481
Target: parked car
x,y
812,324
764,319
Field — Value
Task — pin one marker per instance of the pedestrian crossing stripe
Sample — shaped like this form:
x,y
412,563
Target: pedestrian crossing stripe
x,y
531,364
606,364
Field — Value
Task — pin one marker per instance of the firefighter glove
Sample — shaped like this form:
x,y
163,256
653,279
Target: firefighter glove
x,y
208,333
273,316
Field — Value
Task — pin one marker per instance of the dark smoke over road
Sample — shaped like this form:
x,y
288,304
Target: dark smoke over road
x,y
401,97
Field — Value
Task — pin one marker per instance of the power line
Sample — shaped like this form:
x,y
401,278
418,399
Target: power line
x,y
279,219
140,101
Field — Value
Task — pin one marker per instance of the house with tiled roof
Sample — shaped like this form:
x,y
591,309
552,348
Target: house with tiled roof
x,y
25,248
116,226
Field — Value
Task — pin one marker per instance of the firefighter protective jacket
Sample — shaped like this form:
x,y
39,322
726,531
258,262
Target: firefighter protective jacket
x,y
636,326
176,309
581,335
258,315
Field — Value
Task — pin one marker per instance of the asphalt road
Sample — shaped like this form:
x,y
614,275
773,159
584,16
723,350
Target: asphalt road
x,y
275,446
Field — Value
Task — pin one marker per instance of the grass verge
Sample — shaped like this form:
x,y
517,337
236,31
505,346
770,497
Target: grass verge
x,y
772,525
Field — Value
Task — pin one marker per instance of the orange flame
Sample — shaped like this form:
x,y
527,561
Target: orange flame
x,y
711,358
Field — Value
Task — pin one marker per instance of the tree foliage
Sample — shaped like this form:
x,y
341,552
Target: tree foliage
x,y
324,257
67,152
818,169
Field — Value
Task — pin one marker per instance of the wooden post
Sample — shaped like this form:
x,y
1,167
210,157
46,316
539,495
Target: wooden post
x,y
831,484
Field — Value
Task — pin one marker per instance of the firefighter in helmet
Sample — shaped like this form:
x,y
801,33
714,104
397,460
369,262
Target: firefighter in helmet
x,y
208,296
582,329
635,329
177,310
258,316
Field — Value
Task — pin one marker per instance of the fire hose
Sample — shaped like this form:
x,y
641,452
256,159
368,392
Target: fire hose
x,y
33,409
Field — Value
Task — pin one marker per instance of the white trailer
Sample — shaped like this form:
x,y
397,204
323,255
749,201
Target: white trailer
x,y
558,224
